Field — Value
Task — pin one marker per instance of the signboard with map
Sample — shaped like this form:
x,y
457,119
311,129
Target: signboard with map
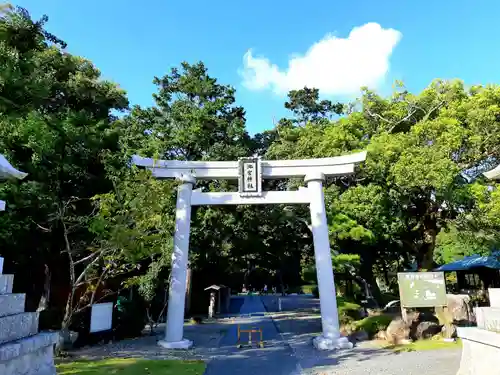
x,y
422,289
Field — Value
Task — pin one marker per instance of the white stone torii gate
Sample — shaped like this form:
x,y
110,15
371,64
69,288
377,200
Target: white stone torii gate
x,y
250,172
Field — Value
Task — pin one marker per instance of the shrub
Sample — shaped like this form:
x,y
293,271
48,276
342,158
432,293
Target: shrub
x,y
50,319
129,318
294,290
373,324
348,308
308,289
388,297
315,292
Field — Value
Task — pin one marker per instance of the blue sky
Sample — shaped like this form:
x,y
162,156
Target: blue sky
x,y
414,41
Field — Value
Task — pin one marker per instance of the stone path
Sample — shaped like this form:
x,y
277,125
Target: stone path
x,y
277,358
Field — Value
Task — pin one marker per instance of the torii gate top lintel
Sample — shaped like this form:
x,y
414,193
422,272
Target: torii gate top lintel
x,y
271,169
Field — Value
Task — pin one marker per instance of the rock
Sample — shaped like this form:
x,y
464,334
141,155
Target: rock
x,y
358,336
425,330
380,335
398,331
67,339
373,312
392,307
449,331
427,317
460,308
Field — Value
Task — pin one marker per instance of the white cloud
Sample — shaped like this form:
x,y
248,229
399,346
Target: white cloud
x,y
335,66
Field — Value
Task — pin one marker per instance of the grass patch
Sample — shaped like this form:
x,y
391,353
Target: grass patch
x,y
344,305
132,366
373,324
308,289
424,345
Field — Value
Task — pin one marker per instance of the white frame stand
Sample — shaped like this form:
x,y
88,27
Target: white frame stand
x,y
314,172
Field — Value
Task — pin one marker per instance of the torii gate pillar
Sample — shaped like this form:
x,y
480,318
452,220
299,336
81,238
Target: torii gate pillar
x,y
330,339
178,277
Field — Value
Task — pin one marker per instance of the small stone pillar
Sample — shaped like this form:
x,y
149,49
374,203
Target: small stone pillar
x,y
211,306
215,299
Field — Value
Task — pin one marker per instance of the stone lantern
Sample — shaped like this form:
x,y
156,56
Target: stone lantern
x,y
7,171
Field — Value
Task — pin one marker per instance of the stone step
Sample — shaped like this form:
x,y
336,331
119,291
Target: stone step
x,y
488,318
27,345
15,327
29,356
6,282
11,304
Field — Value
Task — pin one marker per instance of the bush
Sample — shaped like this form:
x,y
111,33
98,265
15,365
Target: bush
x,y
348,310
294,290
315,292
50,319
129,318
388,297
373,324
308,289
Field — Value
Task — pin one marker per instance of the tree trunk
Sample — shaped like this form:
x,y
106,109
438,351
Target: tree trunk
x,y
68,313
366,273
425,259
64,334
425,256
386,275
45,299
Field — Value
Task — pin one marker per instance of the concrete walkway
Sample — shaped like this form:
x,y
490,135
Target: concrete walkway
x,y
276,358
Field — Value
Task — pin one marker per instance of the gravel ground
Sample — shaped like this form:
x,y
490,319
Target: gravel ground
x,y
206,338
299,327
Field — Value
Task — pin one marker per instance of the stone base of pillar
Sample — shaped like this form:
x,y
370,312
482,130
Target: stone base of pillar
x,y
326,343
183,344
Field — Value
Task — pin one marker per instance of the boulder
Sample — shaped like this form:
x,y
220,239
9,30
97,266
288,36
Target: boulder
x,y
358,336
449,331
418,325
460,308
425,330
398,332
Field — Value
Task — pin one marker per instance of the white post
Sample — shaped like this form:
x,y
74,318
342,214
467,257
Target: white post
x,y
177,292
330,339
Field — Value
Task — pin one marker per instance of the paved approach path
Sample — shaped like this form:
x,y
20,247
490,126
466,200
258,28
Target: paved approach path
x,y
289,349
277,358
